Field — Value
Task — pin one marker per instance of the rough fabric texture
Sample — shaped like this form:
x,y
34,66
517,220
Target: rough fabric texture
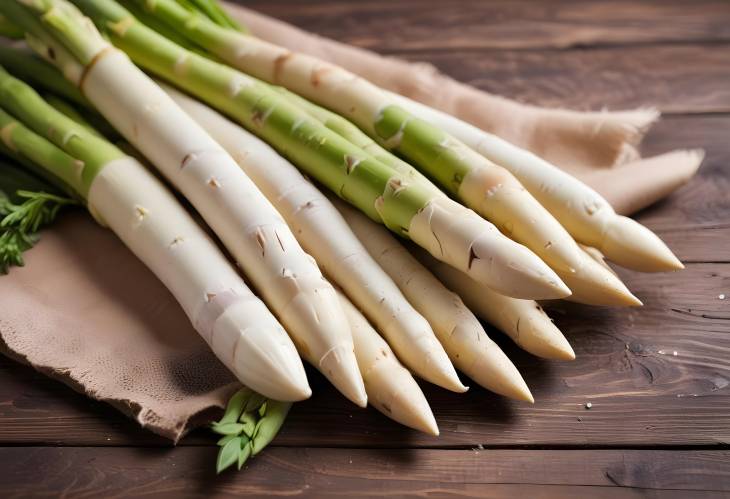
x,y
84,310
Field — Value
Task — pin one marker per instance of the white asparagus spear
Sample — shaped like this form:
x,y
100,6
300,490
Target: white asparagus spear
x,y
391,388
522,320
324,234
254,232
127,198
448,230
597,284
583,212
461,334
483,186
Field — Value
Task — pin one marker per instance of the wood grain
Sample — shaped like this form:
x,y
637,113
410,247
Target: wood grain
x,y
674,78
475,24
321,472
694,220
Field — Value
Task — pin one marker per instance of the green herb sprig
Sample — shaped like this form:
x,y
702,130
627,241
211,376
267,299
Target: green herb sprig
x,y
21,222
249,424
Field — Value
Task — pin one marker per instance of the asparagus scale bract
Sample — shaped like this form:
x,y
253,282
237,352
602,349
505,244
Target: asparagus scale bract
x,y
446,229
483,186
127,198
582,211
287,278
325,234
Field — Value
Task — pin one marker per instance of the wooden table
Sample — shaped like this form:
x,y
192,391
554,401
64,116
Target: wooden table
x,y
657,378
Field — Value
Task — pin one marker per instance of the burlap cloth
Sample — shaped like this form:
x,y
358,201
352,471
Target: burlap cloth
x,y
85,311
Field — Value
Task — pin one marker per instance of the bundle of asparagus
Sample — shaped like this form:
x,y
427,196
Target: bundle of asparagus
x,y
433,180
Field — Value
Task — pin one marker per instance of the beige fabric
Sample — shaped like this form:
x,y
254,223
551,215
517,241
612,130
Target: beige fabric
x,y
86,312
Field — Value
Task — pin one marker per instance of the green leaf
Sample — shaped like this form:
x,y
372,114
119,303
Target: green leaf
x,y
244,454
228,454
249,423
269,425
255,402
236,405
262,410
225,439
227,428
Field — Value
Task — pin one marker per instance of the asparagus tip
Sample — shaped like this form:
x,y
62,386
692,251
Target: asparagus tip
x,y
340,367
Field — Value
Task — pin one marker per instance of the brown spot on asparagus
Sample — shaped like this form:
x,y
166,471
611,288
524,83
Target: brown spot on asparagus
x,y
188,157
472,256
441,248
350,163
278,239
261,240
99,56
387,407
176,241
258,117
51,53
7,135
213,182
279,64
318,73
209,297
517,327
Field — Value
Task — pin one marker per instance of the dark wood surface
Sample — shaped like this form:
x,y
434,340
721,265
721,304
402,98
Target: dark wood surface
x,y
659,425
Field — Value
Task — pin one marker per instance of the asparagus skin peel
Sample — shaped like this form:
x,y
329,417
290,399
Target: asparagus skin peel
x,y
287,278
124,196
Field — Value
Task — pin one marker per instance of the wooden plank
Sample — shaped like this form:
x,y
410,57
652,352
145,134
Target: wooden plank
x,y
694,220
476,24
675,78
318,472
642,394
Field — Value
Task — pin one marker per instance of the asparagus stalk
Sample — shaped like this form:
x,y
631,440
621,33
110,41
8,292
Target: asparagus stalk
x,y
483,186
589,282
524,321
287,278
588,217
391,388
446,229
127,198
323,232
25,65
463,337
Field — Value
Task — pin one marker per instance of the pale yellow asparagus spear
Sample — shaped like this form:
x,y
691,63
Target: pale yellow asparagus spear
x,y
390,387
461,334
522,320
